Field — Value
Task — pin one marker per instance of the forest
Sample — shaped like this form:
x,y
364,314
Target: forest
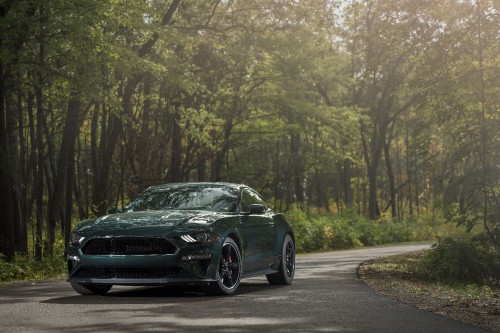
x,y
385,109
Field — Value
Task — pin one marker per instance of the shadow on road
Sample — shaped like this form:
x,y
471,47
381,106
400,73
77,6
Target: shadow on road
x,y
155,295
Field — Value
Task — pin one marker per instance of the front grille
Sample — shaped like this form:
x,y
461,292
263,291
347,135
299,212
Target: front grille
x,y
129,246
128,273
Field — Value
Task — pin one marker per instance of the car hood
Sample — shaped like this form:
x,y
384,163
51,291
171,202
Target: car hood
x,y
148,223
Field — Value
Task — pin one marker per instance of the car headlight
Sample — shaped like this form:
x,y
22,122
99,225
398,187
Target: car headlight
x,y
202,237
76,239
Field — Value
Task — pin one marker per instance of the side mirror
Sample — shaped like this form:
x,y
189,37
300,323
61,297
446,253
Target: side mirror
x,y
114,210
257,209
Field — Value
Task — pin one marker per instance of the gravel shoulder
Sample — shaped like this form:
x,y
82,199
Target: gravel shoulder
x,y
393,277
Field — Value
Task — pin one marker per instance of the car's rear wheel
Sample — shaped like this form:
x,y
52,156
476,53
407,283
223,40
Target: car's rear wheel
x,y
286,269
91,289
229,270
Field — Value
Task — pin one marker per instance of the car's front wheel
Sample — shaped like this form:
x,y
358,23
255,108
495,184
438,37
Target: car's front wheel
x,y
91,289
286,269
229,270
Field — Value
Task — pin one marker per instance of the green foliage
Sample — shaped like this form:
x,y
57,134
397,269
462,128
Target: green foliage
x,y
322,232
467,258
26,268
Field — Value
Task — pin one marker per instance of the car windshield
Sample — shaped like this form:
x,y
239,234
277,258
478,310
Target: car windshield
x,y
217,199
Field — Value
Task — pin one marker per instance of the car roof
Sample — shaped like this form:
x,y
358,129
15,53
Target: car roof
x,y
200,184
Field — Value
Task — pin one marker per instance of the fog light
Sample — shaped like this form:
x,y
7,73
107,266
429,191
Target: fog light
x,y
72,262
197,256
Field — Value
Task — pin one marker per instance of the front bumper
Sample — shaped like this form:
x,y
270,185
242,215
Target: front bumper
x,y
191,264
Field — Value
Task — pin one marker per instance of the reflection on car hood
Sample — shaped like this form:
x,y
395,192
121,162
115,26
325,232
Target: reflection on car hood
x,y
151,223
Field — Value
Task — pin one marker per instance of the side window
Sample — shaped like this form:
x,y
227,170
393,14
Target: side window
x,y
249,198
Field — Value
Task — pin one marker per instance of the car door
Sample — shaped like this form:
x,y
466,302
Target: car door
x,y
258,232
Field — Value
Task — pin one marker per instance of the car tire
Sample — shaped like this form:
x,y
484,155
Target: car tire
x,y
91,289
228,271
286,269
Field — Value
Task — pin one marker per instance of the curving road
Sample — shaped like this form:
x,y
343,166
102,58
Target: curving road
x,y
326,296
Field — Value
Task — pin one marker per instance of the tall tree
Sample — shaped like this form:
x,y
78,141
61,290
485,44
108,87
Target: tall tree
x,y
141,50
388,40
6,205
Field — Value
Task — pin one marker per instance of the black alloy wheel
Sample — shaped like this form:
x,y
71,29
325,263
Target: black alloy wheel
x,y
229,270
286,269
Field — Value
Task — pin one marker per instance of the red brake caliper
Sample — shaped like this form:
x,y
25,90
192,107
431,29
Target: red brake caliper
x,y
230,260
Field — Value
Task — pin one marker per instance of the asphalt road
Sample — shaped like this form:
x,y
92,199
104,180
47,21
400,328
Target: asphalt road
x,y
326,296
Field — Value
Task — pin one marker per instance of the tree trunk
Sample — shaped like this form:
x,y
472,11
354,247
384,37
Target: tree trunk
x,y
40,117
104,150
372,162
294,188
22,240
176,157
220,156
142,149
200,167
39,174
65,164
70,178
409,169
13,165
390,175
373,207
348,192
7,244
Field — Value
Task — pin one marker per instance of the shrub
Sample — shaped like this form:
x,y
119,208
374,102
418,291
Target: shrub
x,y
24,268
469,258
326,231
9,271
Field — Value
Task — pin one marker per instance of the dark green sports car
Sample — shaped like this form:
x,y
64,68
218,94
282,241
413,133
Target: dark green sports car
x,y
209,234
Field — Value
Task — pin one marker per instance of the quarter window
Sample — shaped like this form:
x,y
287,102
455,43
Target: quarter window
x,y
249,198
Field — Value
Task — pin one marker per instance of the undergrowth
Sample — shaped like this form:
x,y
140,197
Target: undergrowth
x,y
468,258
25,268
326,231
